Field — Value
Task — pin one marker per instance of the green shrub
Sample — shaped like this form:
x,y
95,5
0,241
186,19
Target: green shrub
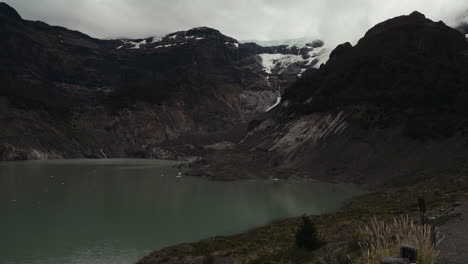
x,y
307,236
208,259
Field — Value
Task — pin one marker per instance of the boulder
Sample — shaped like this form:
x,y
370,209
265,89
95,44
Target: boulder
x,y
394,260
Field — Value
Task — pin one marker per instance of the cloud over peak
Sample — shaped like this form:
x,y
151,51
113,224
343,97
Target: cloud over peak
x,y
335,21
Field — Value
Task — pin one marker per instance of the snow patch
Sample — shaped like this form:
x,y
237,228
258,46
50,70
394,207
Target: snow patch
x,y
232,43
167,46
322,57
137,44
300,74
157,39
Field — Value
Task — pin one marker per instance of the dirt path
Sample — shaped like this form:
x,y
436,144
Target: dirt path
x,y
454,248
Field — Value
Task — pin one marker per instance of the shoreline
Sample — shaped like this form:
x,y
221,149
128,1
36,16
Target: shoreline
x,y
273,242
383,201
190,160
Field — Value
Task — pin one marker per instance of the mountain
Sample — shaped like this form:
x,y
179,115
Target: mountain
x,y
393,105
64,94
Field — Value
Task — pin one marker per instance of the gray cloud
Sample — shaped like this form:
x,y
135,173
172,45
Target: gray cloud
x,y
335,21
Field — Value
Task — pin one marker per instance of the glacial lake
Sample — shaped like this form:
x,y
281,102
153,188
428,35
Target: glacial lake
x,y
117,211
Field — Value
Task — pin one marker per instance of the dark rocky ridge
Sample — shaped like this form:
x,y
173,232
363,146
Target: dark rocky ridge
x,y
64,94
394,105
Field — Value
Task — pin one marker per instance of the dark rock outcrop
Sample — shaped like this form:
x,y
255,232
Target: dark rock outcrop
x,y
340,50
7,12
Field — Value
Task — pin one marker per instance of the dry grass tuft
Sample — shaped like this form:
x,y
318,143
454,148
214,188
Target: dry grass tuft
x,y
379,239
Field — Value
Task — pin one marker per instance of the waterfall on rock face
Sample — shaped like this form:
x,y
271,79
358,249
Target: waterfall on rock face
x,y
278,101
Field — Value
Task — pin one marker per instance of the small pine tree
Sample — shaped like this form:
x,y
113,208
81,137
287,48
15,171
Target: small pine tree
x,y
209,259
307,236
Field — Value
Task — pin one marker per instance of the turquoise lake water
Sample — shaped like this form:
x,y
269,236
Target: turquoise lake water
x,y
117,211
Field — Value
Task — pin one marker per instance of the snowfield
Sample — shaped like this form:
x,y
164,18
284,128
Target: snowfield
x,y
280,62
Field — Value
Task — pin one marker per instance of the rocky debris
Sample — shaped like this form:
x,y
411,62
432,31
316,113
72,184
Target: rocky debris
x,y
441,214
452,248
257,101
311,129
220,145
10,153
394,260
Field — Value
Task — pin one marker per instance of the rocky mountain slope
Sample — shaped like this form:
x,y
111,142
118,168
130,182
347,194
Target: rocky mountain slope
x,y
64,94
394,105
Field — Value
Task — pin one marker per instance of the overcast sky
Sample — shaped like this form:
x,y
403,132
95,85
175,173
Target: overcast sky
x,y
335,21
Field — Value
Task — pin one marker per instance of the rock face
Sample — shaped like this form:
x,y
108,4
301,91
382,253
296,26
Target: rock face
x,y
394,105
65,94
